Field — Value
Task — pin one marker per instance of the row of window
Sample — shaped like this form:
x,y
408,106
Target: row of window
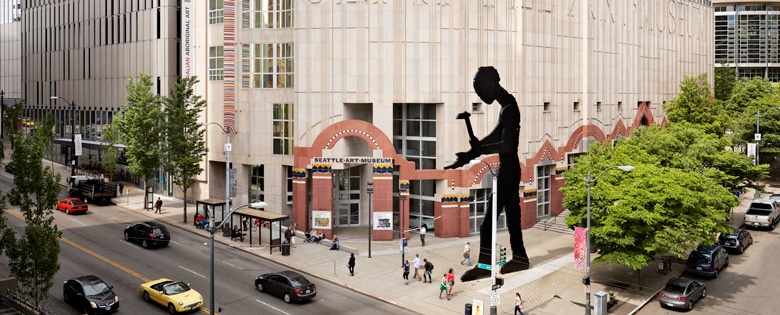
x,y
256,13
262,65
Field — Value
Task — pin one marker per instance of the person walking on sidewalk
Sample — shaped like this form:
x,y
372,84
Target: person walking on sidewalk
x,y
444,285
466,253
121,188
351,264
518,304
416,264
406,272
422,234
428,269
450,282
158,206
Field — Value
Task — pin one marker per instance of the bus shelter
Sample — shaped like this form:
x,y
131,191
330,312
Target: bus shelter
x,y
262,219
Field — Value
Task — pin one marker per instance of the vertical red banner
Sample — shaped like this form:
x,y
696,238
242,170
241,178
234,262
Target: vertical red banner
x,y
580,243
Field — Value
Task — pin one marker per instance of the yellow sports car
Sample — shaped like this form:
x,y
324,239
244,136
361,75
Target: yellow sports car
x,y
177,296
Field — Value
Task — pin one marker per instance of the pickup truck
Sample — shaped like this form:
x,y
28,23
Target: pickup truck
x,y
91,189
762,213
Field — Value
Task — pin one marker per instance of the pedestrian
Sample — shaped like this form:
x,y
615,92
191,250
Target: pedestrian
x,y
351,264
334,245
158,206
450,282
518,304
428,269
444,285
121,188
416,264
292,237
423,229
406,272
288,236
466,253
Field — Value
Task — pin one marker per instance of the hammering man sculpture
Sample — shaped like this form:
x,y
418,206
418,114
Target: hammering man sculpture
x,y
504,140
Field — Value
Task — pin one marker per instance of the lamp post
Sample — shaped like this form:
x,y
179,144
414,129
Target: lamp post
x,y
75,160
254,205
493,223
370,191
2,113
757,137
228,148
588,182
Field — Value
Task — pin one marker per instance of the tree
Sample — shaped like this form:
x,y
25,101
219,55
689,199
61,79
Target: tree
x,y
695,104
654,210
184,142
111,153
140,128
725,79
748,93
33,257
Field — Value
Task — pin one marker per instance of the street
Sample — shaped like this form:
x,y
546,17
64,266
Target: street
x,y
747,286
93,244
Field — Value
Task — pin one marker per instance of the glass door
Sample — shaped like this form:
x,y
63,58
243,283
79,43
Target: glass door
x,y
347,201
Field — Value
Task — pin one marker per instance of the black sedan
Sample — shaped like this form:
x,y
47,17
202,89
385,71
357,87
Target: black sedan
x,y
736,241
681,293
148,234
290,285
90,295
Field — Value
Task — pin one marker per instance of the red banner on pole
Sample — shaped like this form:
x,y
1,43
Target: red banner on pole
x,y
580,242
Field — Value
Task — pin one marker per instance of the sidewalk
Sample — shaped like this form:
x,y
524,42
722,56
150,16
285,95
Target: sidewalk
x,y
552,286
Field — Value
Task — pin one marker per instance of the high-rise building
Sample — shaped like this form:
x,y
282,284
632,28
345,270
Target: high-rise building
x,y
747,38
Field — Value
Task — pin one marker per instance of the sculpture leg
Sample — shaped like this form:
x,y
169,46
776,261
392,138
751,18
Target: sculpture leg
x,y
519,259
484,247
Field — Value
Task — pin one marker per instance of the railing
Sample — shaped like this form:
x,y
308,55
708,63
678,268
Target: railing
x,y
547,222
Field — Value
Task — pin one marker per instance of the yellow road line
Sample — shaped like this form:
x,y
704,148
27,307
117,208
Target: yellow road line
x,y
101,257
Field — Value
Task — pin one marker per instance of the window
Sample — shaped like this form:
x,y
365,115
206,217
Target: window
x,y
257,183
267,65
414,133
283,129
543,182
216,63
482,198
268,14
216,11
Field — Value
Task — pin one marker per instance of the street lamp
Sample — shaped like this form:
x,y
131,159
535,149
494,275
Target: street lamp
x,y
72,132
586,281
493,223
370,191
401,235
228,147
254,205
757,137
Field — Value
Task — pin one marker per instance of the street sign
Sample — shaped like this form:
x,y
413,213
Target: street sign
x,y
757,137
495,287
501,262
484,266
494,300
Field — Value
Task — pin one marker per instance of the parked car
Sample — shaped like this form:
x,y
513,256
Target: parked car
x,y
707,261
290,285
736,241
72,205
775,198
681,293
762,213
176,296
148,234
90,295
9,168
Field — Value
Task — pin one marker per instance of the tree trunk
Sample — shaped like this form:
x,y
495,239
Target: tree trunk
x,y
185,205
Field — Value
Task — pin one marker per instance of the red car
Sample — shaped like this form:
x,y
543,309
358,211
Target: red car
x,y
72,205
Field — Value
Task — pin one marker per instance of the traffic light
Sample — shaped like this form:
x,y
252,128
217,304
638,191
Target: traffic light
x,y
501,254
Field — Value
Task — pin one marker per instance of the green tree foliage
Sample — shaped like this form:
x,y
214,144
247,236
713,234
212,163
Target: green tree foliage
x,y
111,153
748,93
696,105
661,207
185,144
725,79
745,125
140,128
33,257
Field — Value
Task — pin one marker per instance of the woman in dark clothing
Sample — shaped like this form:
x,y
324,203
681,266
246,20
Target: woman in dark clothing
x,y
351,264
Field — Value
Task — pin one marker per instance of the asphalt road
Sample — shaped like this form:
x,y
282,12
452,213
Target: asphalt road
x,y
93,244
747,286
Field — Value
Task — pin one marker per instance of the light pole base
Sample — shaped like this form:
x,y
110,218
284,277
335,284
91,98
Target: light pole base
x,y
493,310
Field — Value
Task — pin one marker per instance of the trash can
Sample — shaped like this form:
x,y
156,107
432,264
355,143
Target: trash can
x,y
468,309
285,248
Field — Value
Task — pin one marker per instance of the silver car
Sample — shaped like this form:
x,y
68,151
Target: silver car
x,y
681,293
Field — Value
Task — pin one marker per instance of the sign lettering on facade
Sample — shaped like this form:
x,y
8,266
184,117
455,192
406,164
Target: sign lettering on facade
x,y
353,159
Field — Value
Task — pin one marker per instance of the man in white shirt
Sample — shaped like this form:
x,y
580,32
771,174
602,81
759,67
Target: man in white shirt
x,y
422,234
416,264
